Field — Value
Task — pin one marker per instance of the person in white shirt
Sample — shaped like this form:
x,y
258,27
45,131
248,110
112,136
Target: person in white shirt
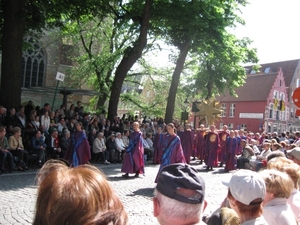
x,y
120,145
293,170
279,187
45,121
263,155
99,148
125,138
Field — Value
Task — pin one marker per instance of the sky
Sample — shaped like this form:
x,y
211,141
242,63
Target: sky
x,y
272,25
274,28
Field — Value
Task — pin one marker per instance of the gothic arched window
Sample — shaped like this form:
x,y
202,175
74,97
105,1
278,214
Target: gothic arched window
x,y
33,64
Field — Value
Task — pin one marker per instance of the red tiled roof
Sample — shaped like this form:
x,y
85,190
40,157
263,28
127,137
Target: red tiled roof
x,y
288,69
256,88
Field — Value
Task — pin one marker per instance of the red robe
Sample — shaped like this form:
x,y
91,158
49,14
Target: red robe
x,y
211,149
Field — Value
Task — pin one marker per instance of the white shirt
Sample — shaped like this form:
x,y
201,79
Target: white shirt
x,y
120,144
257,221
45,121
278,212
294,202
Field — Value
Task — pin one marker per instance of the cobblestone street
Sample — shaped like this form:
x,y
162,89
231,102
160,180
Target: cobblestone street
x,y
18,193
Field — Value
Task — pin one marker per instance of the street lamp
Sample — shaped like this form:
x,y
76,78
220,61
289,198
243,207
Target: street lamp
x,y
185,114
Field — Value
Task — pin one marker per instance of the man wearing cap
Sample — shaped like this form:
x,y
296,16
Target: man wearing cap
x,y
246,192
294,154
179,195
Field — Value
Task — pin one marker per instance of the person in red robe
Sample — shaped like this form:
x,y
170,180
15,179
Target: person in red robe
x,y
157,145
200,143
79,151
134,156
187,137
222,153
212,147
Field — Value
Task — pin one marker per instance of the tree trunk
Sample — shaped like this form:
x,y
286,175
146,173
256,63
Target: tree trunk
x,y
12,40
101,100
175,81
131,55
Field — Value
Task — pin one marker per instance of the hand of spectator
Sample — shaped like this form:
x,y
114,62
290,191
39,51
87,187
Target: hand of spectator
x,y
58,149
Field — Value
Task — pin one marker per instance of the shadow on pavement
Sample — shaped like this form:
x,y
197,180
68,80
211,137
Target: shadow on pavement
x,y
147,192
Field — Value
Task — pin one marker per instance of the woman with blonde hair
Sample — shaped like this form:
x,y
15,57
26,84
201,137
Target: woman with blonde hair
x,y
77,196
279,187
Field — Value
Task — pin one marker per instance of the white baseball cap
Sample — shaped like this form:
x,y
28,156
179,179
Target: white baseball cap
x,y
246,186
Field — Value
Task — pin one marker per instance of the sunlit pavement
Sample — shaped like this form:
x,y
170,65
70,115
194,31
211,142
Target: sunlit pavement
x,y
18,193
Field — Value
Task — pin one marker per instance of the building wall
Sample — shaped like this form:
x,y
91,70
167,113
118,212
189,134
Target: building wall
x,y
255,116
247,115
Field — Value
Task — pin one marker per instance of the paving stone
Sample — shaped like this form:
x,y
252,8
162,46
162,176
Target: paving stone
x,y
18,193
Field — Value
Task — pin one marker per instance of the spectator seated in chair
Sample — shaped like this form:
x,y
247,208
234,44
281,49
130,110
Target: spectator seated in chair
x,y
53,148
112,149
38,146
16,147
5,154
121,148
64,142
99,148
149,150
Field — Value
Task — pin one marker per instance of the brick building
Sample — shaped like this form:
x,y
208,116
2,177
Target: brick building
x,y
264,102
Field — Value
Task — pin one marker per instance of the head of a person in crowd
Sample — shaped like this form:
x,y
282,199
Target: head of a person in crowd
x,y
72,107
276,146
126,133
79,103
21,111
288,166
78,196
294,154
37,134
179,197
12,111
17,132
149,135
278,184
257,136
283,144
136,126
100,135
67,133
78,126
246,192
212,128
32,118
275,154
119,135
266,145
62,121
231,133
2,131
54,133
47,106
113,136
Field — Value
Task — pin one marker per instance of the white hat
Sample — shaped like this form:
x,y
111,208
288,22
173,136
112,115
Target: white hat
x,y
246,186
294,152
